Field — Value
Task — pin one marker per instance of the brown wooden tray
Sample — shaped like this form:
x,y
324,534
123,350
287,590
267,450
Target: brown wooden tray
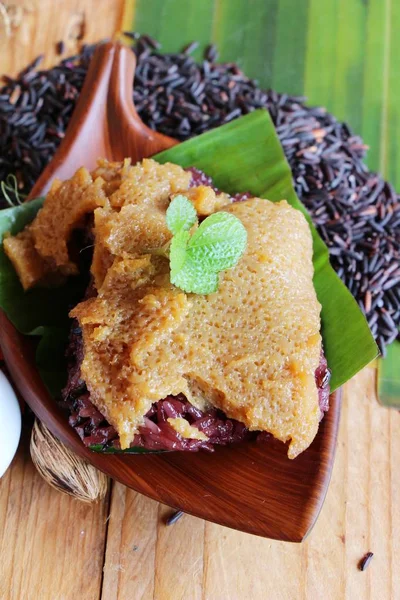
x,y
252,487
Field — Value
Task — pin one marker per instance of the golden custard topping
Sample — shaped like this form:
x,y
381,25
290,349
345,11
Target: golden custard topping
x,y
250,349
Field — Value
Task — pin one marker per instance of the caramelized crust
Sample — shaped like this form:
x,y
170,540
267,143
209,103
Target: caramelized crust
x,y
251,349
131,202
31,268
65,207
206,201
133,221
124,325
149,183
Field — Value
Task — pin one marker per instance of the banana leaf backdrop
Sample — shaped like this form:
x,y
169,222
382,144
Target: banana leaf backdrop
x,y
341,54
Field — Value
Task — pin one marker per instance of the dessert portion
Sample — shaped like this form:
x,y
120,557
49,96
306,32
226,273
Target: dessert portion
x,y
149,361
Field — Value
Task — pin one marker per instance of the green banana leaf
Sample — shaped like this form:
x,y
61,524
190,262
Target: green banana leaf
x,y
339,54
134,450
244,155
389,377
38,312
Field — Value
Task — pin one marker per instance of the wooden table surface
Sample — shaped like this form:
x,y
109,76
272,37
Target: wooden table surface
x,y
53,547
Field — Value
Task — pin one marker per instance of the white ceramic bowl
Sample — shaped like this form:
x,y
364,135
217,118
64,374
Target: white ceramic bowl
x,y
10,423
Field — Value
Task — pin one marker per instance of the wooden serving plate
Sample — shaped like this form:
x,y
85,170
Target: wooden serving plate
x,y
252,486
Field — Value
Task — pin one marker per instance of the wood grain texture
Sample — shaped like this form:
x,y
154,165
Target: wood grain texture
x,y
37,25
47,540
145,560
361,511
129,565
360,514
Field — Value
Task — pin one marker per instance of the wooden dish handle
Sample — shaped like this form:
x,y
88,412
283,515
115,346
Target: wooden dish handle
x,y
105,122
129,136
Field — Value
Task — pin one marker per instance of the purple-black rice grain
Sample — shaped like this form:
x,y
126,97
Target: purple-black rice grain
x,y
356,212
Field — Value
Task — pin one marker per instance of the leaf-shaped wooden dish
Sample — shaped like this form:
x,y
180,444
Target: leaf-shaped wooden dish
x,y
251,486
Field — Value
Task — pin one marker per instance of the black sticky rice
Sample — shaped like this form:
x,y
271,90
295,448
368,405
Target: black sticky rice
x,y
356,212
156,433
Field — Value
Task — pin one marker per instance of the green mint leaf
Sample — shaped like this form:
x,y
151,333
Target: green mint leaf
x,y
181,215
192,278
178,253
218,243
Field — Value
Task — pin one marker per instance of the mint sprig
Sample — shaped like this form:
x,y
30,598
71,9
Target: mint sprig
x,y
181,215
216,245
